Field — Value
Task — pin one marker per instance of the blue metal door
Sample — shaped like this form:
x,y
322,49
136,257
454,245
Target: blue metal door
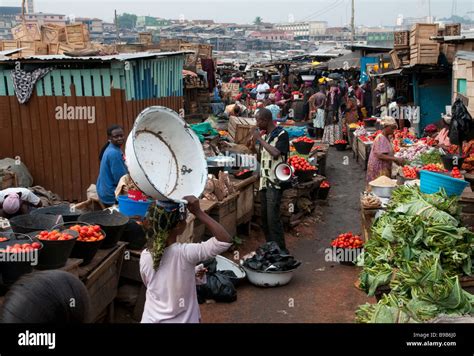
x,y
434,96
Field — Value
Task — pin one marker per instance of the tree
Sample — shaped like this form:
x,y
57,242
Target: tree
x,y
258,20
127,21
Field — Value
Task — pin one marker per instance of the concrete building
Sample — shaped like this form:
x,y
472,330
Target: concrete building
x,y
44,18
109,27
273,35
304,30
94,26
8,20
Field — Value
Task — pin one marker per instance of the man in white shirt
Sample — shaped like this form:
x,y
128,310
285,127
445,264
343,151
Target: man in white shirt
x,y
262,89
17,201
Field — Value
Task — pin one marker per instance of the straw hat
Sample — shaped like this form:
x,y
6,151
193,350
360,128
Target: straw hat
x,y
388,121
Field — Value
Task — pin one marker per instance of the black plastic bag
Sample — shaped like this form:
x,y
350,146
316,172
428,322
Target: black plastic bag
x,y
219,285
461,128
269,257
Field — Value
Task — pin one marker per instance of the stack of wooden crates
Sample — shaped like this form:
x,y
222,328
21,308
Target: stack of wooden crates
x,y
47,39
424,50
401,52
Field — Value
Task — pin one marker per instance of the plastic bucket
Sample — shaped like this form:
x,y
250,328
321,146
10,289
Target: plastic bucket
x,y
431,183
323,193
303,148
24,224
131,207
11,271
113,224
84,250
55,253
340,146
64,210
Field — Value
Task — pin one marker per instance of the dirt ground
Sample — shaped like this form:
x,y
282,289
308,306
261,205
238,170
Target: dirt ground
x,y
321,291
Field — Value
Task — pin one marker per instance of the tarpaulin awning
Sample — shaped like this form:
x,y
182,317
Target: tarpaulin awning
x,y
346,62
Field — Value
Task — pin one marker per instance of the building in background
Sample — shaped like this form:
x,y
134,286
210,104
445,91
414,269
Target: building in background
x,y
379,37
95,26
274,35
8,20
304,30
30,7
44,18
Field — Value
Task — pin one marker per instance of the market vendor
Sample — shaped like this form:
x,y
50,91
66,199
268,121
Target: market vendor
x,y
274,148
443,135
233,110
17,201
263,89
112,165
381,97
382,156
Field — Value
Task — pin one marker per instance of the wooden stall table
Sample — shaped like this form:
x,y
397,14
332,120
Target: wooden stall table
x,y
351,140
363,151
367,216
321,156
101,278
245,200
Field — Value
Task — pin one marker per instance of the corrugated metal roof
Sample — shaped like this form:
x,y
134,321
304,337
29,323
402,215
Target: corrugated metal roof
x,y
466,55
466,37
114,57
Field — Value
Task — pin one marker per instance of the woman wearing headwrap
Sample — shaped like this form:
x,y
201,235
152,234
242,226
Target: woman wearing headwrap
x,y
381,156
17,201
168,268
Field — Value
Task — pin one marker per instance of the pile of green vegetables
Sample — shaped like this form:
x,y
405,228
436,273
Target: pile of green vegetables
x,y
417,249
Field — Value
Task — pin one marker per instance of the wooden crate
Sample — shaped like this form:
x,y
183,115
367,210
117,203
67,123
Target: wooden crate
x,y
421,33
452,29
245,205
205,51
26,32
75,33
424,54
225,212
145,37
53,48
101,278
396,62
240,129
170,44
401,39
53,33
10,44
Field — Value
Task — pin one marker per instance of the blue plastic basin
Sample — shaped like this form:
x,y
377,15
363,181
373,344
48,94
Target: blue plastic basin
x,y
431,183
131,207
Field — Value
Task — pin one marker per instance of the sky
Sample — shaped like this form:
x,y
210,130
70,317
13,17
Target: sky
x,y
335,12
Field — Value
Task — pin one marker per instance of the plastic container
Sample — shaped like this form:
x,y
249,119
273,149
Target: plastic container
x,y
113,224
370,122
268,279
224,264
323,193
303,148
24,224
164,156
82,249
55,253
431,183
131,207
11,271
451,161
305,176
65,210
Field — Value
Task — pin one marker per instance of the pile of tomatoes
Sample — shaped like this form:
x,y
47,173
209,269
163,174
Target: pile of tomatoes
x,y
3,239
409,172
455,173
54,235
325,184
432,167
17,248
340,142
300,164
88,233
303,139
241,173
348,240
